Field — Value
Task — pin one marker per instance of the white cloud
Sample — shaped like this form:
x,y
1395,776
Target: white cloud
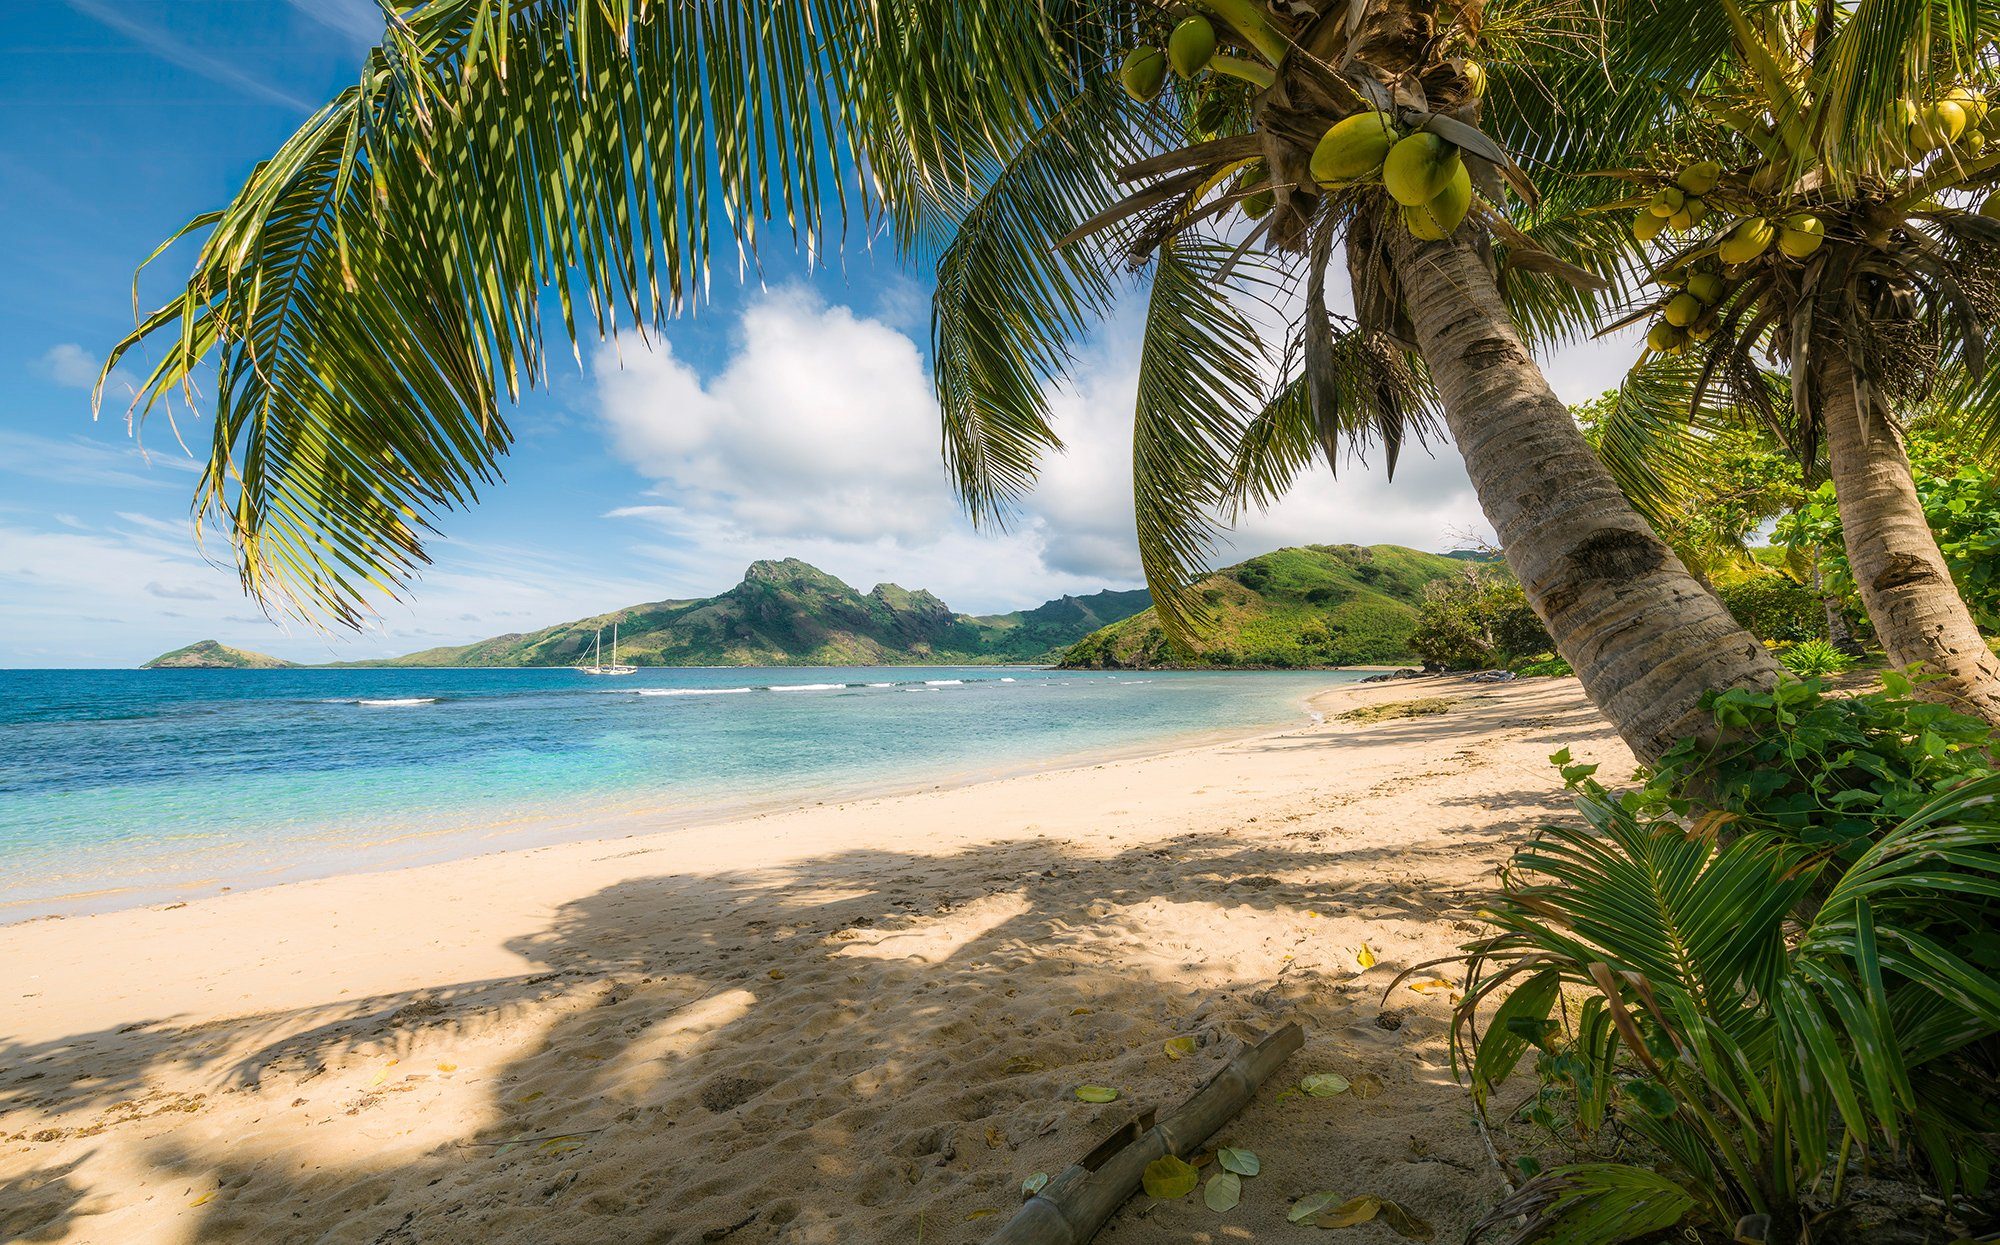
x,y
71,366
817,438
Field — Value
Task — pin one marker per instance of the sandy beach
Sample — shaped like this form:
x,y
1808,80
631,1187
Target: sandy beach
x,y
857,1022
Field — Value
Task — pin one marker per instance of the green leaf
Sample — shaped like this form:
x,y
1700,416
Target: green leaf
x,y
1097,1093
1311,1204
1168,1177
1034,1184
1179,1048
1353,1211
1324,1084
1224,1191
1242,1162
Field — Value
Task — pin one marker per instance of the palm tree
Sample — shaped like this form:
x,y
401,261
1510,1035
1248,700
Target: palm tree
x,y
378,280
1832,233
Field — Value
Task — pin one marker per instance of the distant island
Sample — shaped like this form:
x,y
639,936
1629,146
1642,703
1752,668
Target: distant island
x,y
215,655
1320,605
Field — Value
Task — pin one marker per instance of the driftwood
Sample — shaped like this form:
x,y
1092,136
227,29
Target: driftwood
x,y
1071,1208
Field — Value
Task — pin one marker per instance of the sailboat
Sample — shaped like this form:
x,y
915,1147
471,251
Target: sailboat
x,y
597,665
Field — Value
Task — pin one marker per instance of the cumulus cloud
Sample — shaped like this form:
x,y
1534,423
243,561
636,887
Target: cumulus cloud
x,y
817,437
70,365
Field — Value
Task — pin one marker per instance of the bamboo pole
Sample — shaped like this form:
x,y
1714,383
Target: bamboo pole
x,y
1072,1207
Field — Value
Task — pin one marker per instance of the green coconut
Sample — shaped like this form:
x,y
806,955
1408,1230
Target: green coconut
x,y
1418,168
1667,200
1258,203
1144,73
1353,148
1707,287
1751,238
1938,126
1683,310
1990,209
1972,100
1191,46
1646,226
1666,338
1475,77
1438,219
1700,177
1800,234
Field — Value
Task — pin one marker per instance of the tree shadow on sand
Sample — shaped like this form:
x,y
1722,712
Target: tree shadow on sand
x,y
868,1046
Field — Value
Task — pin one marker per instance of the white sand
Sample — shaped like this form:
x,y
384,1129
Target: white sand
x,y
849,1023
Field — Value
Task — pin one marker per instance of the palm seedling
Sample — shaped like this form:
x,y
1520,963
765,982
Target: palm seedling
x,y
1727,1029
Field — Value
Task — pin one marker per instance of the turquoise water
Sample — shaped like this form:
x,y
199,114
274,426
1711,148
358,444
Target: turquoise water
x,y
124,787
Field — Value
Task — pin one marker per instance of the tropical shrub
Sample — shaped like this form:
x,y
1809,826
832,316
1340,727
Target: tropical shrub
x,y
1775,607
1552,668
1716,1024
1825,771
1814,658
1479,620
1772,960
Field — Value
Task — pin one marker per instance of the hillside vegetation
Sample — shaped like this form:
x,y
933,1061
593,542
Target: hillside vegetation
x,y
791,613
1317,605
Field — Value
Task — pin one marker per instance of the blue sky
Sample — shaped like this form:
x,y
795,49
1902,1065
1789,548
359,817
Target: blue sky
x,y
790,418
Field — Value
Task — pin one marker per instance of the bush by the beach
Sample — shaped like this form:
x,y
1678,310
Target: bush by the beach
x,y
1811,659
1778,958
1775,607
1479,619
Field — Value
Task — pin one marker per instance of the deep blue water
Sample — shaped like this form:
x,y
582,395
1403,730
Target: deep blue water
x,y
121,787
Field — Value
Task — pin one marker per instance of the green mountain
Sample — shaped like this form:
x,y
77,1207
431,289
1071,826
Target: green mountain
x,y
790,613
1320,605
213,655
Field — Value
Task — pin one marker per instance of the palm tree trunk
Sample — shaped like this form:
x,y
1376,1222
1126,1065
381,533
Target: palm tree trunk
x,y
1905,585
1646,639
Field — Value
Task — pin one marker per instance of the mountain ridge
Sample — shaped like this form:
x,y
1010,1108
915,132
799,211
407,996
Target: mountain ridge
x,y
786,611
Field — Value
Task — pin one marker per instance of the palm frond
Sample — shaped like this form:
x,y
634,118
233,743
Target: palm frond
x,y
361,303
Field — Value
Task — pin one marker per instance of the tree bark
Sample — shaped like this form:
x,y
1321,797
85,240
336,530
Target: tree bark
x,y
1904,582
1645,638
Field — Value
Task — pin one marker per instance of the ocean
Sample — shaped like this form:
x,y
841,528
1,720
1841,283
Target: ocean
x,y
125,787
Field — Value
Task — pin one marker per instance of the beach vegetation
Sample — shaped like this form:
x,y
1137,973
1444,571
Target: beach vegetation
x,y
1766,967
1390,711
1479,619
1810,659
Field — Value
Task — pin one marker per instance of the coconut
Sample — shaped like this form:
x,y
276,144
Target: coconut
x,y
1708,287
1800,234
1972,100
1701,332
1145,72
1689,216
1646,226
1436,220
1666,338
1938,126
1191,46
1419,167
1683,310
1990,209
1700,177
1667,200
1354,148
1475,77
1258,203
1751,238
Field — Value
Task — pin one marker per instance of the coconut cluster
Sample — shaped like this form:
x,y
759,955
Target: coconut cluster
x,y
1423,172
1955,127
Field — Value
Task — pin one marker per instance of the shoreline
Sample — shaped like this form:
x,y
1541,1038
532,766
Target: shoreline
x,y
861,1021
616,820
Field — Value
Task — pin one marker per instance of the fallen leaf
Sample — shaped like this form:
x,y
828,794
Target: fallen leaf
x,y
1242,1162
1167,1178
994,1137
1020,1064
776,974
1311,1204
1354,1210
1097,1093
1034,1184
1367,1085
1324,1084
1079,1011
447,1067
1365,957
203,1198
530,1097
981,1213
1224,1191
1180,1047
1425,987
562,1145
